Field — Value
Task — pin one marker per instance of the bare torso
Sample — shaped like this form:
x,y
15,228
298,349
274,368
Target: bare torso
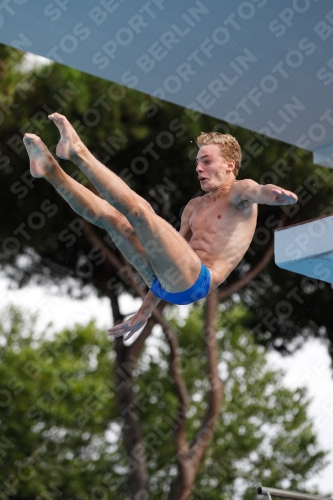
x,y
221,231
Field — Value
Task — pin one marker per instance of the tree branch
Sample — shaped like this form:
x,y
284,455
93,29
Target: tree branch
x,y
181,390
189,462
111,257
135,450
204,435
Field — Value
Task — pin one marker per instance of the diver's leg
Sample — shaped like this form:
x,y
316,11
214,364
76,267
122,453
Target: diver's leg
x,y
174,262
88,205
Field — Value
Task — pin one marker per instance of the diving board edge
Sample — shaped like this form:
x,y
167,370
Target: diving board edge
x,y
307,248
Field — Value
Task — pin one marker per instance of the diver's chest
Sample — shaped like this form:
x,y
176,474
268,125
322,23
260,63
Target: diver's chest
x,y
212,215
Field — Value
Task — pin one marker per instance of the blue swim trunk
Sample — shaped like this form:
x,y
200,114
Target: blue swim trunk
x,y
197,291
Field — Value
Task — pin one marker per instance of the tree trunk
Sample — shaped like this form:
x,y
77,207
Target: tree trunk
x,y
190,457
125,363
185,482
137,476
126,358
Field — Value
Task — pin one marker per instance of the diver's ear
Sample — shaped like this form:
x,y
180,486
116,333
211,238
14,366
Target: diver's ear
x,y
231,165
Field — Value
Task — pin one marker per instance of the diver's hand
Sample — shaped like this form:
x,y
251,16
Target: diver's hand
x,y
130,326
283,197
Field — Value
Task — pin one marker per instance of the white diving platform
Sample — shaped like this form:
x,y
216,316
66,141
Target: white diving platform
x,y
307,248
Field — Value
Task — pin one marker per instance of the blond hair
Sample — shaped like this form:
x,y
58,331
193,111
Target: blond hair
x,y
229,146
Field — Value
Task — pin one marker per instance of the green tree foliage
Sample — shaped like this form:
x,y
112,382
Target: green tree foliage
x,y
60,428
10,71
59,415
264,434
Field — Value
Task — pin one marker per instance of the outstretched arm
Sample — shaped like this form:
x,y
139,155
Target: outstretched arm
x,y
248,190
133,324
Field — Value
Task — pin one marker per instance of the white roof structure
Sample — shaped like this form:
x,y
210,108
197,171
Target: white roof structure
x,y
265,65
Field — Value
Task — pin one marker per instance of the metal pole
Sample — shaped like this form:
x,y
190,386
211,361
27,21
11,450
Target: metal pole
x,y
291,495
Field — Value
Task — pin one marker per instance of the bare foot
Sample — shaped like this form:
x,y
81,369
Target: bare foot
x,y
41,160
70,143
